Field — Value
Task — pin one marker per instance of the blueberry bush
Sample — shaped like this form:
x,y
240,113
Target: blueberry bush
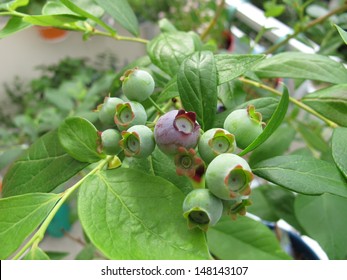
x,y
191,146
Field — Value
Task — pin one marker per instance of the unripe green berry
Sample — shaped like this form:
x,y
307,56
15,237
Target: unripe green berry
x,y
214,142
138,141
137,84
129,114
110,141
229,176
245,124
202,209
107,110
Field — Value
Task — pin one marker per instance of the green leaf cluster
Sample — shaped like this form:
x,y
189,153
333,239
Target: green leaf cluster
x,y
131,208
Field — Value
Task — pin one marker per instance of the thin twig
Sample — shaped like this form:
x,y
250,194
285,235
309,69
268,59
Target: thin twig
x,y
213,21
120,38
308,26
291,99
82,243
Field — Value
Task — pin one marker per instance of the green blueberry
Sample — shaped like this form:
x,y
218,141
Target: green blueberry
x,y
229,176
202,209
245,124
138,141
214,142
107,110
137,85
110,141
129,114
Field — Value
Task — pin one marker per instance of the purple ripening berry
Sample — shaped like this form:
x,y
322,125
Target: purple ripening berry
x,y
175,129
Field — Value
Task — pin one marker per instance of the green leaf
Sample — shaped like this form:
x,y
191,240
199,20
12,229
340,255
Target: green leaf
x,y
299,65
331,102
305,151
272,203
339,149
43,167
36,254
59,99
168,50
231,66
130,215
56,255
14,25
20,216
342,32
80,139
261,205
273,10
87,253
302,174
197,85
272,125
316,11
275,145
324,219
312,137
89,10
164,166
61,21
166,26
231,94
265,105
85,8
13,5
121,11
56,8
244,239
169,91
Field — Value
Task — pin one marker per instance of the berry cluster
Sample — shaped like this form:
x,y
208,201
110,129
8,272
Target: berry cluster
x,y
205,157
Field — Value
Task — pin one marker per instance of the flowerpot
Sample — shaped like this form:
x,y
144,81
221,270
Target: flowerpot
x,y
52,34
228,41
60,223
294,244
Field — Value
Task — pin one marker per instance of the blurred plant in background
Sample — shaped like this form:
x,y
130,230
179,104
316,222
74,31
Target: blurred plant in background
x,y
309,21
191,15
73,86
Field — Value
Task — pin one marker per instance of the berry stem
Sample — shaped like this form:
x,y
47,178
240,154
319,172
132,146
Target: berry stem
x,y
120,38
160,110
291,99
38,236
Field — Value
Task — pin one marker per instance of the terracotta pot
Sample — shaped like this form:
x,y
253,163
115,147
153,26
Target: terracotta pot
x,y
52,34
228,41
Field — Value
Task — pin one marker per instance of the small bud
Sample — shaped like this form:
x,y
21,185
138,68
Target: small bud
x,y
233,208
129,114
138,141
187,163
214,142
176,129
202,209
229,176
